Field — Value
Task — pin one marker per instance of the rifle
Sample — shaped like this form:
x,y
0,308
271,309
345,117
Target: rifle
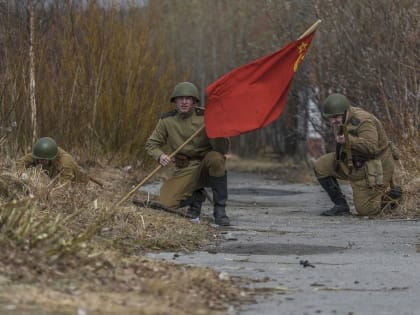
x,y
347,143
158,206
347,168
338,145
96,181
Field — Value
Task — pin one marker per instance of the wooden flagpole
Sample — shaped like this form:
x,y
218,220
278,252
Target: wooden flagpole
x,y
310,29
159,167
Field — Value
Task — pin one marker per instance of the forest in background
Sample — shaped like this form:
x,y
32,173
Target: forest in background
x,y
98,75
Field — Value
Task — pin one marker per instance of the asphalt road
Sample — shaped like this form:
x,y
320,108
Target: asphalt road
x,y
304,263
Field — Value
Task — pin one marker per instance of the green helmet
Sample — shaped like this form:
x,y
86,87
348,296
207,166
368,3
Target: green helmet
x,y
335,104
45,149
185,89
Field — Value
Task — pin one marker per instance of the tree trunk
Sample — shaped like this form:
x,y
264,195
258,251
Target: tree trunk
x,y
32,99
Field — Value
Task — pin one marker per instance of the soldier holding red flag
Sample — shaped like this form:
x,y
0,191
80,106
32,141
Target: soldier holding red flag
x,y
200,162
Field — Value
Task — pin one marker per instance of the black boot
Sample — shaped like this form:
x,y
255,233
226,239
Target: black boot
x,y
333,190
195,201
220,195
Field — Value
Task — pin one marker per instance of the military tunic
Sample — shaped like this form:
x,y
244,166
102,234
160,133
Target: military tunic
x,y
205,156
64,164
368,142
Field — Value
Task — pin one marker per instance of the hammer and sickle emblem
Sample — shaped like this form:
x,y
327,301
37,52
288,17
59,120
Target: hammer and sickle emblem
x,y
302,48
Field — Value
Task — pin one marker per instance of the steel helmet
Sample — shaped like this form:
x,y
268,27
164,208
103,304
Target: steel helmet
x,y
335,104
185,89
45,149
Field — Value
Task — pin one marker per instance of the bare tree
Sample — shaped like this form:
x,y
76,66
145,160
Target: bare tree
x,y
112,68
32,80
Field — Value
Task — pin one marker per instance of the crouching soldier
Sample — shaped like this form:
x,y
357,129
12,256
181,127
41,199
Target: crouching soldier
x,y
363,157
200,163
53,160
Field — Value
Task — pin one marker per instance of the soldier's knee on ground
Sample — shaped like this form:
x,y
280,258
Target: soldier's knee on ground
x,y
368,208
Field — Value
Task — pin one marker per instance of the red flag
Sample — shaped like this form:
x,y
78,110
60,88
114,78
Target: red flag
x,y
253,95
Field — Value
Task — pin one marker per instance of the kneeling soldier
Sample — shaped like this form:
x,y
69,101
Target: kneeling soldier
x,y
363,156
199,164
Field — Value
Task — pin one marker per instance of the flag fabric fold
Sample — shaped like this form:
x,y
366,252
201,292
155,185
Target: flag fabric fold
x,y
253,95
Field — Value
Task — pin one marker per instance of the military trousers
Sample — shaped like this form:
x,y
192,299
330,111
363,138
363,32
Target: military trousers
x,y
184,181
367,199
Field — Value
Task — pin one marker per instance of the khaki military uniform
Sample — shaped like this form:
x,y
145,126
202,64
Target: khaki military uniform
x,y
64,164
201,157
372,167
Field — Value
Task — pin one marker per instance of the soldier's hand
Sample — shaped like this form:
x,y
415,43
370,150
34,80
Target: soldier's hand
x,y
164,160
340,139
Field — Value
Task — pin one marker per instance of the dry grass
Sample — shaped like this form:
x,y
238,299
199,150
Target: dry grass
x,y
407,175
285,171
64,246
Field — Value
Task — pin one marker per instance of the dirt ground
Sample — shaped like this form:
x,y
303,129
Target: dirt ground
x,y
70,250
45,269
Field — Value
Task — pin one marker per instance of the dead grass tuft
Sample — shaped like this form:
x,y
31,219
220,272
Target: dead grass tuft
x,y
407,175
64,245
